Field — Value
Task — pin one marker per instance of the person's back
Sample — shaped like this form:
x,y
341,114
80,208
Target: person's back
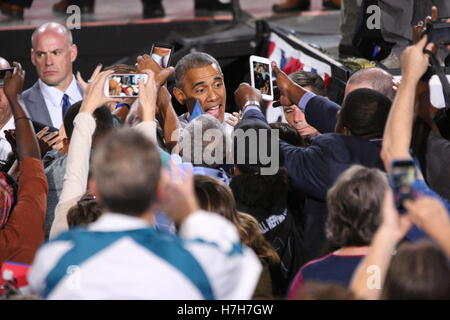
x,y
134,262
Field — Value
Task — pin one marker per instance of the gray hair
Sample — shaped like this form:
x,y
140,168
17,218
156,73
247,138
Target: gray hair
x,y
54,26
204,141
376,79
191,61
354,203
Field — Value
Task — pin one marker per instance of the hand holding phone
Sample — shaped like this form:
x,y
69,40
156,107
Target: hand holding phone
x,y
261,76
161,53
124,85
401,179
3,73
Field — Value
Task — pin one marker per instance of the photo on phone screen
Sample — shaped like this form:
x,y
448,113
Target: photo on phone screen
x,y
124,85
262,77
402,178
161,53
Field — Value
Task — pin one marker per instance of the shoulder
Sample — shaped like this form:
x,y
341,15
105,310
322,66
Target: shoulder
x,y
34,88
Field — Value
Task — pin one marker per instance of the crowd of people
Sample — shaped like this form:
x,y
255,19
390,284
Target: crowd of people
x,y
109,197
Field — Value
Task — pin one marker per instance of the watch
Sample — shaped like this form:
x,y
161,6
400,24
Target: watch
x,y
252,103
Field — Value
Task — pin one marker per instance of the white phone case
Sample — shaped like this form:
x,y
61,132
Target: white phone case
x,y
267,91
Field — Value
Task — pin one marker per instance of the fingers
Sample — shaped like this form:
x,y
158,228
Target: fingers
x,y
49,137
81,80
57,139
96,71
232,120
434,13
164,75
422,42
275,68
42,133
405,224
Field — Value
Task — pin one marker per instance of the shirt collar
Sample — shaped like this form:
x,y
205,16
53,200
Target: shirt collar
x,y
55,95
110,222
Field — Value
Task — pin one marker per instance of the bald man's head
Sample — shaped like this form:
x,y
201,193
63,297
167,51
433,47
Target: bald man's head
x,y
372,78
53,53
4,64
52,27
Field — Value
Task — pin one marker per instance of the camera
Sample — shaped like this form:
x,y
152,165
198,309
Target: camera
x,y
439,32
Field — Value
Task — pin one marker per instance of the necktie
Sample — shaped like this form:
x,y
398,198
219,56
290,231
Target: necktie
x,y
65,104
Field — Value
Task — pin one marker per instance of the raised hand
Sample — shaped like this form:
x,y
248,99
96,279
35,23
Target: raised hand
x,y
13,82
148,93
85,84
146,62
245,93
289,92
47,141
94,95
180,198
414,61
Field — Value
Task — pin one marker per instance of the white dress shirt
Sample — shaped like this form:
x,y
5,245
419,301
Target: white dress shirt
x,y
53,99
5,147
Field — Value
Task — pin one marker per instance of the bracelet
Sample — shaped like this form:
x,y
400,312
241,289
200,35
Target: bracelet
x,y
24,117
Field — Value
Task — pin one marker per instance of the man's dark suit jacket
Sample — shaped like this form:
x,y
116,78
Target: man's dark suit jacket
x,y
314,169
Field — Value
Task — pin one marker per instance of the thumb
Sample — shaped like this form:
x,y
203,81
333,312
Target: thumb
x,y
275,68
422,43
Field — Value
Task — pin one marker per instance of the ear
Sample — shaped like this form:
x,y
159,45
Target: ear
x,y
179,95
73,52
32,57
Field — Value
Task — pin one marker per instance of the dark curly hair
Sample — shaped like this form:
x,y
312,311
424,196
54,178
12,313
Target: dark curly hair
x,y
354,204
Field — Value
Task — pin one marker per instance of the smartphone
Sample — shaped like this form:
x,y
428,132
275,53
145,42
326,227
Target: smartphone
x,y
401,179
162,53
3,73
439,33
123,85
39,126
261,76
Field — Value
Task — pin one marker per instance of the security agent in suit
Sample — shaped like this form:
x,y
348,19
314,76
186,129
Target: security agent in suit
x,y
52,53
314,169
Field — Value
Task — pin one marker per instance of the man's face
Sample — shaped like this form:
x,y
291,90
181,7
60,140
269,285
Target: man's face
x,y
206,85
296,118
5,110
52,55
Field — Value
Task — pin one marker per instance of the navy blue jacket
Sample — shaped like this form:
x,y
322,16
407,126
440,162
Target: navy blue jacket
x,y
321,113
314,169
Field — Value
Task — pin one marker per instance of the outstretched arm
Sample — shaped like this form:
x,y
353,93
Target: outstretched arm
x,y
398,130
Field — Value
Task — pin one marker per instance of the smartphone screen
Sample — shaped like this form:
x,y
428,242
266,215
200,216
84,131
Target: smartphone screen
x,y
124,85
402,178
441,36
162,53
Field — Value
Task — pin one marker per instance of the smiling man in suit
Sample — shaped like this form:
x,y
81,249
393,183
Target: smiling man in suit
x,y
52,53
